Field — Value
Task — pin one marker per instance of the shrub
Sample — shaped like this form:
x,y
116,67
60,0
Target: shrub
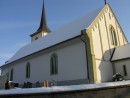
x,y
118,77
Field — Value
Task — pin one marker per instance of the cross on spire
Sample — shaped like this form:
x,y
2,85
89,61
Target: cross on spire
x,y
105,1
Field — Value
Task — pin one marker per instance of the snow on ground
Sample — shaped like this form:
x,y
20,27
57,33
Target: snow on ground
x,y
63,88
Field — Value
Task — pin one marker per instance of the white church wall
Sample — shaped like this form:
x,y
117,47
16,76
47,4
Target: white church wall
x,y
104,71
74,58
102,51
96,43
5,71
102,45
119,68
71,65
19,72
104,39
120,35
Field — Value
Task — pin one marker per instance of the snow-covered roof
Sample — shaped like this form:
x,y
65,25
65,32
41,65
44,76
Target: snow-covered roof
x,y
55,89
121,52
64,33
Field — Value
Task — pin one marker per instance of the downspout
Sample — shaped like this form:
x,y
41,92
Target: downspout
x,y
113,65
112,54
82,39
0,71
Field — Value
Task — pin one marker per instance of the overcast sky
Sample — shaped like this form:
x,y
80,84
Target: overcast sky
x,y
20,18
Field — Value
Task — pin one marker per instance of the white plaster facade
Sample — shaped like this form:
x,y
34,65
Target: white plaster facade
x,y
72,64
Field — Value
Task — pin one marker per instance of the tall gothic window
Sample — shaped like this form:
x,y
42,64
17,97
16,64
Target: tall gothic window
x,y
125,70
11,74
28,70
54,64
113,36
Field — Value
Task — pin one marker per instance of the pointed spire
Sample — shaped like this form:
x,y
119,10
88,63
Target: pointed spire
x,y
43,25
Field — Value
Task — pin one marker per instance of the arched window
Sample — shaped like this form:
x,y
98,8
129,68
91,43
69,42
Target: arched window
x,y
11,74
28,70
113,36
54,64
36,38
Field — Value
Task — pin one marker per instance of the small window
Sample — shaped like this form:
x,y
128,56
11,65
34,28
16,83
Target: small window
x,y
36,38
28,70
11,74
124,70
113,36
54,64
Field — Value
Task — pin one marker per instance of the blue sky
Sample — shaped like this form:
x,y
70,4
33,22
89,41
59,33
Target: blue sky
x,y
20,18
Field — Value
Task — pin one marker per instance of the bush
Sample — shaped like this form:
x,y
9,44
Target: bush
x,y
118,77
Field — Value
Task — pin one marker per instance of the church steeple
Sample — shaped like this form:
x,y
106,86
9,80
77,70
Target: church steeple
x,y
43,25
43,28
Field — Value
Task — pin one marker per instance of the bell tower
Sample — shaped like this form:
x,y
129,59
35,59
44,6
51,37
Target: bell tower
x,y
43,29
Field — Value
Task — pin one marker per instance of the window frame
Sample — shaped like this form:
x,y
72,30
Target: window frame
x,y
54,64
124,70
11,74
113,36
28,70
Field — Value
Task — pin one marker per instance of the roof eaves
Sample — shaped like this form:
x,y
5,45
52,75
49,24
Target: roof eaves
x,y
120,59
34,34
40,51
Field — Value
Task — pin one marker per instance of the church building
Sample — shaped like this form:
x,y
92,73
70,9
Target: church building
x,y
90,49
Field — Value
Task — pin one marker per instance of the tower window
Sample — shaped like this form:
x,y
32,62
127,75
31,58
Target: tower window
x,y
113,36
11,74
28,70
36,38
54,64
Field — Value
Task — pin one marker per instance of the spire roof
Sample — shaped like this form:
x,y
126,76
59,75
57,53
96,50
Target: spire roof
x,y
43,24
